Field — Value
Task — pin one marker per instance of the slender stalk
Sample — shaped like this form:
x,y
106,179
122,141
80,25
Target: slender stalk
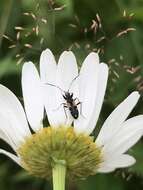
x,y
59,173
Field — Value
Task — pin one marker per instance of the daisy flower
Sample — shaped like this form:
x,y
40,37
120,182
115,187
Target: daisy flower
x,y
64,148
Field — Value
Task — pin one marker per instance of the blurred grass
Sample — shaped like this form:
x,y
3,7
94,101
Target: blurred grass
x,y
67,25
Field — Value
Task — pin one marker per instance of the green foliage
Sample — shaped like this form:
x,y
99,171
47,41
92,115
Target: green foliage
x,y
66,24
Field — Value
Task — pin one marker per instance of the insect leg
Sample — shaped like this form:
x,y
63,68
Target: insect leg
x,y
65,106
58,107
80,103
77,100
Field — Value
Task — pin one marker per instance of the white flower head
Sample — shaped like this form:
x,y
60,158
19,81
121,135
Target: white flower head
x,y
67,141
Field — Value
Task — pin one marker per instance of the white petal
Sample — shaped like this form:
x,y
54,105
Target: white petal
x,y
130,132
105,169
12,156
121,161
9,133
67,80
113,162
116,118
48,67
12,111
88,84
67,70
52,95
32,94
4,136
101,87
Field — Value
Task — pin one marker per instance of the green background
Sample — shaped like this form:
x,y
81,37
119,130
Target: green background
x,y
62,25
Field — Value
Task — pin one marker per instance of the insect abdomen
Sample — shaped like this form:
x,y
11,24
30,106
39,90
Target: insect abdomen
x,y
74,112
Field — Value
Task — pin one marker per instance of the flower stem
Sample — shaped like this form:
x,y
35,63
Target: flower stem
x,y
59,173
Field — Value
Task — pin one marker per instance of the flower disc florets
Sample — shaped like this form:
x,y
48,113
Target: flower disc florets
x,y
62,145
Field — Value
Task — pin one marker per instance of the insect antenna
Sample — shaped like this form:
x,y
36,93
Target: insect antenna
x,y
72,82
55,86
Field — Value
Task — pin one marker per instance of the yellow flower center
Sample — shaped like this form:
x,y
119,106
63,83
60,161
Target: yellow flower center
x,y
50,146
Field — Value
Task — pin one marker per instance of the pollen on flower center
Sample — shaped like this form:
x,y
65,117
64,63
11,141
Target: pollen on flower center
x,y
62,145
